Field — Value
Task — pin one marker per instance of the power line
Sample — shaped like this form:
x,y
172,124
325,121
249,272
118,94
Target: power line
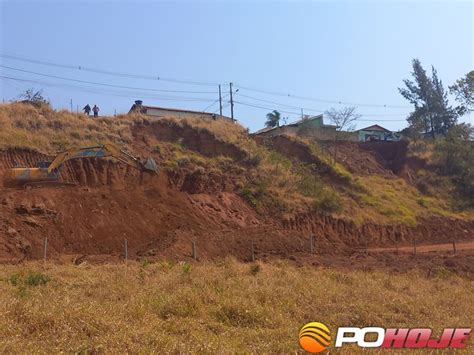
x,y
306,109
107,72
185,81
213,103
318,100
104,84
93,90
297,113
223,106
280,104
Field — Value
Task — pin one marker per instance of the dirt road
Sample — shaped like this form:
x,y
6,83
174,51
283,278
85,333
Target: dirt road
x,y
428,248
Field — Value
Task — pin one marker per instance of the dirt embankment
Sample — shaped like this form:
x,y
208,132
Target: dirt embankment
x,y
160,220
386,159
198,140
161,215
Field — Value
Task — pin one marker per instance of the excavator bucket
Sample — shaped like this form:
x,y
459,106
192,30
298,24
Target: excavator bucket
x,y
150,165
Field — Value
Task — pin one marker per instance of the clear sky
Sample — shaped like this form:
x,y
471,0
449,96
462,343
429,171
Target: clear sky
x,y
337,51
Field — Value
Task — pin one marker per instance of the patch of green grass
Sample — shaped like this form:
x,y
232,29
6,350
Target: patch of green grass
x,y
30,278
328,202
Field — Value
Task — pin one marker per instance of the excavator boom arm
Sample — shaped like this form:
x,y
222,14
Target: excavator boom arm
x,y
100,151
51,173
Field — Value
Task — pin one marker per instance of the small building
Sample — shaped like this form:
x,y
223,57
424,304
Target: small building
x,y
309,126
157,111
377,133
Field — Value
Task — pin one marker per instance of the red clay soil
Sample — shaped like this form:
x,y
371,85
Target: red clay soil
x,y
158,220
161,215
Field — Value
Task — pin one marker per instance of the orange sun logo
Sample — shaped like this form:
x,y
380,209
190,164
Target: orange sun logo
x,y
314,337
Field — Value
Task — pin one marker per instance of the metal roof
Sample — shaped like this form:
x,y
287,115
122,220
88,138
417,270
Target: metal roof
x,y
374,127
134,106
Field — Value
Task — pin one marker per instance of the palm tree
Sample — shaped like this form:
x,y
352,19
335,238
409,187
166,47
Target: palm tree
x,y
273,119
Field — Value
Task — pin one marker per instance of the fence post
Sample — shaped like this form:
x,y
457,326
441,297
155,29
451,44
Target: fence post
x,y
126,250
252,252
45,249
312,243
454,247
414,245
194,250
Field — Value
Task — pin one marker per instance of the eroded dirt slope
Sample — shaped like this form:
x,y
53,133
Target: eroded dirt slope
x,y
158,219
160,216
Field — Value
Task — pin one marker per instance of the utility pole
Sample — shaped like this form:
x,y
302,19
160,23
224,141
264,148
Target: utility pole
x,y
71,105
231,102
302,115
220,100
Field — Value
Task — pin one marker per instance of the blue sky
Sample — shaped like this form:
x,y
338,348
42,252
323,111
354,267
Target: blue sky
x,y
329,52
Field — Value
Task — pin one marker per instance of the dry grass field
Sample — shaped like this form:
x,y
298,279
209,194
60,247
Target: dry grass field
x,y
222,306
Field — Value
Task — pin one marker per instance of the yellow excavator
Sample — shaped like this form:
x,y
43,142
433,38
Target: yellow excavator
x,y
48,172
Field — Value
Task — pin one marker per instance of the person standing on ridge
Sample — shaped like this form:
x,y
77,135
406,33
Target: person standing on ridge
x,y
87,110
96,109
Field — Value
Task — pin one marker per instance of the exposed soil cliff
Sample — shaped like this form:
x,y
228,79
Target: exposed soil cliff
x,y
160,219
210,200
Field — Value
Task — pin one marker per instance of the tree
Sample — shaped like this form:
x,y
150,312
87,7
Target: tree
x,y
455,155
344,119
432,112
463,90
33,97
273,119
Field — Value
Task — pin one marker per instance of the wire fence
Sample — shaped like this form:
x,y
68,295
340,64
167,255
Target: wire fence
x,y
308,246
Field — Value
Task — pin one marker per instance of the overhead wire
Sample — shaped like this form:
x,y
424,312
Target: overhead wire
x,y
298,113
104,84
306,109
191,82
214,102
338,102
94,90
223,107
107,72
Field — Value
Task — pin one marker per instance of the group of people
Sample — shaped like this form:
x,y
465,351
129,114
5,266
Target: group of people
x,y
95,110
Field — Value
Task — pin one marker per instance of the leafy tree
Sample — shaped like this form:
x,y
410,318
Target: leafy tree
x,y
432,112
455,156
273,119
463,89
344,119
